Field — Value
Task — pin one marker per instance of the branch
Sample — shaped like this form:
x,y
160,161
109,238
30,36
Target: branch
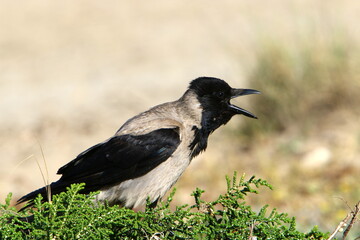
x,y
354,213
343,223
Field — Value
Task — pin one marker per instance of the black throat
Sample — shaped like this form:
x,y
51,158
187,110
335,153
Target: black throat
x,y
199,143
210,122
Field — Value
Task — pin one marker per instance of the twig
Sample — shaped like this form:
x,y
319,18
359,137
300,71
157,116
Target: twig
x,y
21,162
354,213
343,223
251,237
340,226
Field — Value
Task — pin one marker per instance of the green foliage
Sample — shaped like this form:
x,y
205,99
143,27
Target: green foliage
x,y
75,216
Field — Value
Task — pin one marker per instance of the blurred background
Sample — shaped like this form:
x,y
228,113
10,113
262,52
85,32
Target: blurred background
x,y
72,72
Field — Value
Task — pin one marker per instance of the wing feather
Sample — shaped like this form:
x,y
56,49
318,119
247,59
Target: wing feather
x,y
122,157
118,159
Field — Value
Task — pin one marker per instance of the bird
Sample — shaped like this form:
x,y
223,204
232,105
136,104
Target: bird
x,y
150,151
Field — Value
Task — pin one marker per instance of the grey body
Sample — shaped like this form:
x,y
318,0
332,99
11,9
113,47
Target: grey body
x,y
183,114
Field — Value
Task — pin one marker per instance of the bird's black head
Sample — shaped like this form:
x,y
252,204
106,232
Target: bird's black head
x,y
214,96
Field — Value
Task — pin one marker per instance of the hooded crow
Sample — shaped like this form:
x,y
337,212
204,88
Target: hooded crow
x,y
149,153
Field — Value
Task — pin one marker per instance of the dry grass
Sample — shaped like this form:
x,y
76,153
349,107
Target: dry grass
x,y
72,73
305,85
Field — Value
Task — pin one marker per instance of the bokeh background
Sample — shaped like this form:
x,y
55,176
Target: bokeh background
x,y
71,72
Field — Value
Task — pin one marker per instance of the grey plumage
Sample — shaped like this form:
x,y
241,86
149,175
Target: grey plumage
x,y
149,153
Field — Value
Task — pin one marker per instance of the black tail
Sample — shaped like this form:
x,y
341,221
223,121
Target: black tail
x,y
49,190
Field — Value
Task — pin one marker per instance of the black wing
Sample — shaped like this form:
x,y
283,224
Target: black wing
x,y
118,159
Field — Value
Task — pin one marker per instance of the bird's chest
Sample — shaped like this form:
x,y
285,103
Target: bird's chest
x,y
134,192
155,183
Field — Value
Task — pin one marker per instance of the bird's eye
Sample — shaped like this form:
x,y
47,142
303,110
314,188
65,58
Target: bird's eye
x,y
220,94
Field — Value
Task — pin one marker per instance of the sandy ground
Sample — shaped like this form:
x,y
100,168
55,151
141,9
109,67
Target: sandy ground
x,y
72,72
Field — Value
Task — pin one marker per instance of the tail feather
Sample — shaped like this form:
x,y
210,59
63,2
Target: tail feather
x,y
54,188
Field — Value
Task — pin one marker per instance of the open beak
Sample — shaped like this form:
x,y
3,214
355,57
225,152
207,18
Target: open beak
x,y
237,92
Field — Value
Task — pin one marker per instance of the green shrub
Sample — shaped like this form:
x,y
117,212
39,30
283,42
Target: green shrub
x,y
74,216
